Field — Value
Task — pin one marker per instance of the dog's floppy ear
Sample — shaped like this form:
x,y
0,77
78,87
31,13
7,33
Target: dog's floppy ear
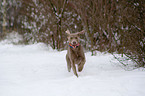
x,y
81,32
68,32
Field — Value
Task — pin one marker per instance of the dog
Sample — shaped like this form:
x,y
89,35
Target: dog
x,y
75,54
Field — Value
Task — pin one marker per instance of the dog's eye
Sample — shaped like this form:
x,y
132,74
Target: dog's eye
x,y
71,37
76,38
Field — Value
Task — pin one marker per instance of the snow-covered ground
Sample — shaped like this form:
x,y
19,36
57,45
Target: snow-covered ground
x,y
37,70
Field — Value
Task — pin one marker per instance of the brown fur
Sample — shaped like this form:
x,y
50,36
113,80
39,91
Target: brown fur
x,y
75,56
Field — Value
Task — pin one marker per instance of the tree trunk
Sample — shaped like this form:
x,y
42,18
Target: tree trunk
x,y
4,17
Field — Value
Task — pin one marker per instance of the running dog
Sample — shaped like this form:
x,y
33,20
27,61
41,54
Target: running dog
x,y
75,54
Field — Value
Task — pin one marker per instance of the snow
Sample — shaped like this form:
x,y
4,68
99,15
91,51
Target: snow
x,y
12,37
37,70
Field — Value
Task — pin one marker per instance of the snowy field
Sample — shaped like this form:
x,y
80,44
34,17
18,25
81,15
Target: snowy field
x,y
37,70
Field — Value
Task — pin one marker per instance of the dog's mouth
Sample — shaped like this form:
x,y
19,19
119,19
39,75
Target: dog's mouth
x,y
74,45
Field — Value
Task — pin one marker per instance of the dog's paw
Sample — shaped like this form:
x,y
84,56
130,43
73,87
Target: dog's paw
x,y
80,67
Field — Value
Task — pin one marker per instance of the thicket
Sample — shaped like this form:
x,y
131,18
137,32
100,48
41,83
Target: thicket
x,y
110,25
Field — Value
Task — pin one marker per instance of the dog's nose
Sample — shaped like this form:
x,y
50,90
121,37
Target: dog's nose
x,y
74,42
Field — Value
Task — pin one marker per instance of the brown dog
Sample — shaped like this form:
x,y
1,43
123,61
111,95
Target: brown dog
x,y
75,53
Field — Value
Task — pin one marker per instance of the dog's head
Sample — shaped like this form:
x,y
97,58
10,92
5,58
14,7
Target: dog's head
x,y
73,38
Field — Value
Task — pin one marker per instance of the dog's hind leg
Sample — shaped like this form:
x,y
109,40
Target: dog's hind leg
x,y
68,63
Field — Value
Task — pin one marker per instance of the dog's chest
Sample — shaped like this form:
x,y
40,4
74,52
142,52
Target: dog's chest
x,y
76,53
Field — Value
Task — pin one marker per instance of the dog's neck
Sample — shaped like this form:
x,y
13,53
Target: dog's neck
x,y
74,46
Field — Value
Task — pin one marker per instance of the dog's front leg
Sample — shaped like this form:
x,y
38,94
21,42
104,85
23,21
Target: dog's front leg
x,y
81,65
74,67
68,63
